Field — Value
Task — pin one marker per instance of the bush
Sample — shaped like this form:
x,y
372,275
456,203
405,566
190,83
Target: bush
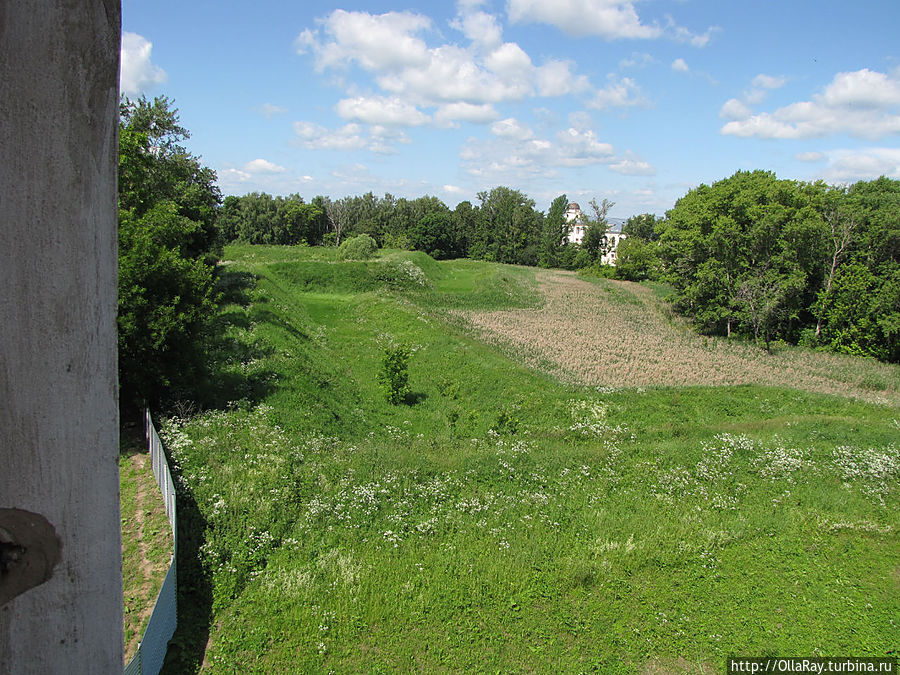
x,y
361,247
394,375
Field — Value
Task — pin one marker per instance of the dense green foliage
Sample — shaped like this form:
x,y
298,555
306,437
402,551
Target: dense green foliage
x,y
554,234
782,260
394,374
259,218
168,244
360,247
503,521
505,227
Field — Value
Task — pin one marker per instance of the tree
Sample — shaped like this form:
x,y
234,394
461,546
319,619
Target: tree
x,y
762,298
841,226
168,243
338,212
507,228
718,239
863,316
434,235
464,220
554,232
595,242
637,260
641,227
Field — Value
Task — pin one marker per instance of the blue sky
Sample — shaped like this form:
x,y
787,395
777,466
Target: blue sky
x,y
633,101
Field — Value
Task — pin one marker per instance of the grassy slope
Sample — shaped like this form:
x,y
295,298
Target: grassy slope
x,y
503,521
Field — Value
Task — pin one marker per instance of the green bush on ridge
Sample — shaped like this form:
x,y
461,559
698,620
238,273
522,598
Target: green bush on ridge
x,y
360,247
394,375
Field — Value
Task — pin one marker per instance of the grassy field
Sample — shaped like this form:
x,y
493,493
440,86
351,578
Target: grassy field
x,y
521,512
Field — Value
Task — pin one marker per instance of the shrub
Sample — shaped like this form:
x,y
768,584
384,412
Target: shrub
x,y
361,247
394,374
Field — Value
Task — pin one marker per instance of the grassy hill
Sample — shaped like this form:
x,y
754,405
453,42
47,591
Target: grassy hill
x,y
528,509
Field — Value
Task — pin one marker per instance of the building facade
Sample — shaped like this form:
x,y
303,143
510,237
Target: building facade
x,y
578,224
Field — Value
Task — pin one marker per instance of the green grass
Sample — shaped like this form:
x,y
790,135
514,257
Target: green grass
x,y
502,521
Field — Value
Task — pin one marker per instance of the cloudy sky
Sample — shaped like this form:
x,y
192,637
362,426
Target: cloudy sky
x,y
635,101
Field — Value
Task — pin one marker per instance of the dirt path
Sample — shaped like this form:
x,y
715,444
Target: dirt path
x,y
147,545
619,334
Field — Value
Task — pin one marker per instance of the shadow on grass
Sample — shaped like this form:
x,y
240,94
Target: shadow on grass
x,y
225,376
187,647
415,398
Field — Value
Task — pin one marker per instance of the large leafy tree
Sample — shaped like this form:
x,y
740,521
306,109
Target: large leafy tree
x,y
595,243
860,311
778,259
259,218
168,243
730,247
642,226
554,233
507,229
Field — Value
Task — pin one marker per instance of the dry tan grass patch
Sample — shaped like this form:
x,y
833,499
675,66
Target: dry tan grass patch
x,y
677,666
619,334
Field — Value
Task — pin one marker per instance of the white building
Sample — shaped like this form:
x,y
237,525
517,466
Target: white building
x,y
578,224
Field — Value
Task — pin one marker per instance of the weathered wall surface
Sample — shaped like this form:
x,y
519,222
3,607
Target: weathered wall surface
x,y
58,383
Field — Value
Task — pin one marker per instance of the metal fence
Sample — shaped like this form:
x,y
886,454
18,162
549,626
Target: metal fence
x,y
152,649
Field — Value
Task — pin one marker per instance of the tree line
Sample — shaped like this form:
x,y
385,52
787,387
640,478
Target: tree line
x,y
773,259
751,255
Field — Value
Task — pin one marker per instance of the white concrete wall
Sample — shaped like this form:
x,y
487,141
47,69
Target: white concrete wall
x,y
58,381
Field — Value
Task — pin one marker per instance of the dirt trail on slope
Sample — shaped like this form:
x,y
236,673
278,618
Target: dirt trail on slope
x,y
619,334
147,528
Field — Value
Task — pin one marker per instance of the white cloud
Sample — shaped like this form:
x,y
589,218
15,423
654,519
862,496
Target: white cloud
x,y
316,137
862,103
377,42
637,60
760,87
555,78
449,114
469,5
733,109
392,48
580,147
610,19
863,88
810,156
452,189
511,128
349,137
621,93
682,34
232,175
864,164
380,110
763,81
509,61
481,28
263,166
680,66
580,120
269,110
517,153
632,166
138,74
452,75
